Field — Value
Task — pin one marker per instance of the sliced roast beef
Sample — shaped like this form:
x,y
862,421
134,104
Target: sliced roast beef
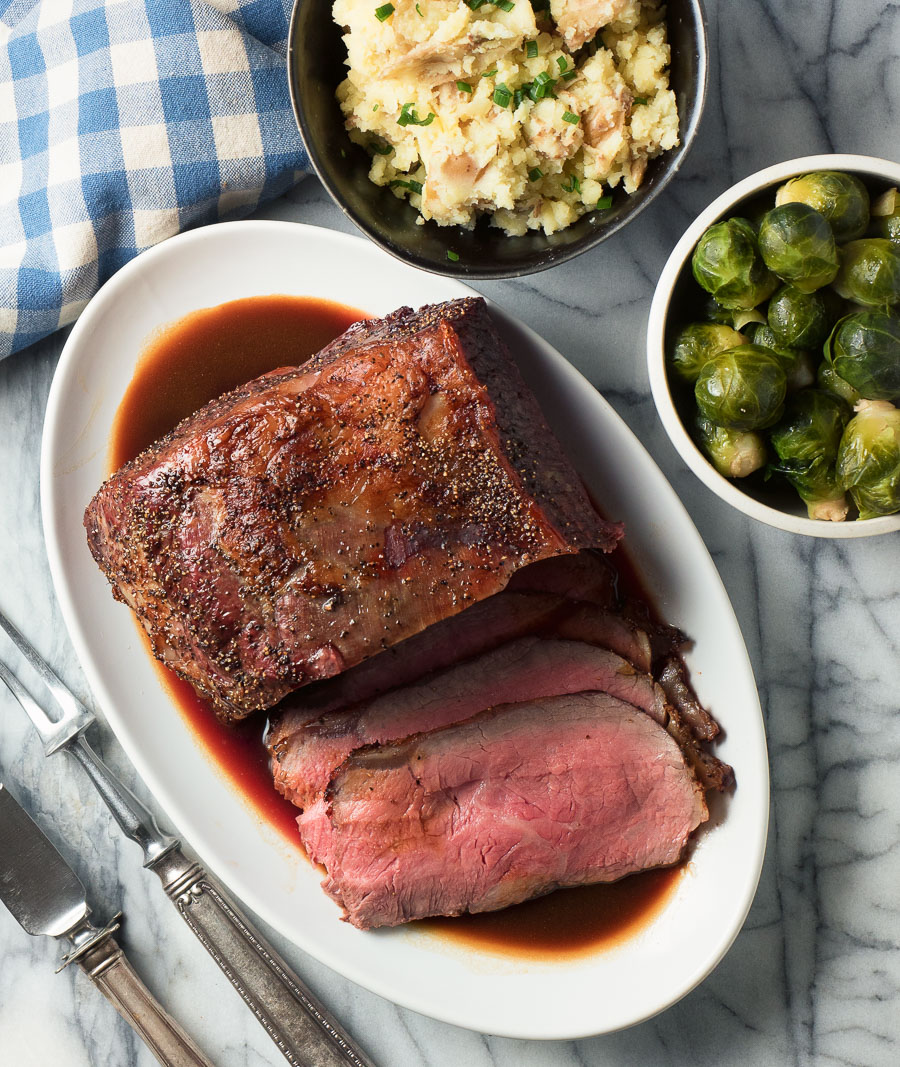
x,y
528,669
320,514
508,805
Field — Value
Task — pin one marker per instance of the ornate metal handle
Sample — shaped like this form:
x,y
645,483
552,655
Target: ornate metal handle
x,y
301,1028
105,964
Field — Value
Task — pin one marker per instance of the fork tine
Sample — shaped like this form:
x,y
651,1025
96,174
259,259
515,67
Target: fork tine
x,y
31,707
68,702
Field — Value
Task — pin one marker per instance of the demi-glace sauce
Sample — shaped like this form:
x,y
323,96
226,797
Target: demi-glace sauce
x,y
208,353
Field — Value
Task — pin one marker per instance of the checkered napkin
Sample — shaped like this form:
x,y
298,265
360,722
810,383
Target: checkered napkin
x,y
121,123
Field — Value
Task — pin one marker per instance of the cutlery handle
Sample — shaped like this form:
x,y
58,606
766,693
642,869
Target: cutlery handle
x,y
301,1028
105,964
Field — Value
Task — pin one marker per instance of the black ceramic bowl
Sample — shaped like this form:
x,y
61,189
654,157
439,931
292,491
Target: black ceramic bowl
x,y
316,56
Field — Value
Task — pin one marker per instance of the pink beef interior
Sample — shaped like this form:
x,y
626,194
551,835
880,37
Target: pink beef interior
x,y
516,802
526,669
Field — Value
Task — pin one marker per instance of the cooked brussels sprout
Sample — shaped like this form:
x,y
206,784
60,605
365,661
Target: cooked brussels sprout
x,y
831,382
734,453
796,243
864,349
802,320
799,366
698,343
727,263
886,215
742,389
870,272
806,441
841,198
868,462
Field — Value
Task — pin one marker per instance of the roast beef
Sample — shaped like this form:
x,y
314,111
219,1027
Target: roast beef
x,y
320,514
307,753
508,805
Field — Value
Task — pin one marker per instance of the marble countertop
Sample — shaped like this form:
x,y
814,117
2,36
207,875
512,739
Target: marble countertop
x,y
814,977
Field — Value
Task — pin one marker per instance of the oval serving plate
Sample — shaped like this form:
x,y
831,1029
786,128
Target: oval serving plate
x,y
481,990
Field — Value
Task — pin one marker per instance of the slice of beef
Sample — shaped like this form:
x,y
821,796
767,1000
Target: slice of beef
x,y
306,756
316,516
509,805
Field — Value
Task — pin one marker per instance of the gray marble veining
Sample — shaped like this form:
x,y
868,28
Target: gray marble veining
x,y
814,977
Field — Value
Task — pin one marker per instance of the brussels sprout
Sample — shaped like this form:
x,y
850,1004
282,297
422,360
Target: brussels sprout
x,y
806,441
796,243
727,263
886,216
799,366
734,453
698,343
870,272
742,389
802,320
714,312
841,198
864,349
868,461
829,381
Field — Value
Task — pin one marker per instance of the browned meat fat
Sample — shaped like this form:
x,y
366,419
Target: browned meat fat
x,y
318,515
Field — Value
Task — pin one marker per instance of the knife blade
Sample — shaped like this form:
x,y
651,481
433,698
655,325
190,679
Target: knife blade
x,y
46,897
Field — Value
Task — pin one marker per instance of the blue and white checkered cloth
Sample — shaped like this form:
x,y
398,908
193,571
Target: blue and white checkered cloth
x,y
121,123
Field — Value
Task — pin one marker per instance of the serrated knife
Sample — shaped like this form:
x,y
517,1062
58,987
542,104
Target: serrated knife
x,y
302,1029
45,896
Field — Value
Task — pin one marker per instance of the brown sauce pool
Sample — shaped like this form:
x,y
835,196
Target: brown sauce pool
x,y
210,352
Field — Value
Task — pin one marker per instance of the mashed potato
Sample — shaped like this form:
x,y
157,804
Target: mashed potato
x,y
526,116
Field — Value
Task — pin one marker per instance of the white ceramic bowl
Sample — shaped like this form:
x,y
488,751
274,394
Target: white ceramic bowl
x,y
783,513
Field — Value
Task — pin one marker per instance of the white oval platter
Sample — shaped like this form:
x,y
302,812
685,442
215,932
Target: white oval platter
x,y
568,998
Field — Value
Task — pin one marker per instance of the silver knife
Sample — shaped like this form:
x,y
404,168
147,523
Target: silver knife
x,y
303,1031
45,896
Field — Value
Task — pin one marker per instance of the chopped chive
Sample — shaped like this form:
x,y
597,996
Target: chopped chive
x,y
419,12
452,256
574,186
640,100
502,96
569,75
504,5
382,149
535,174
375,108
561,62
518,97
384,12
410,118
543,78
464,87
489,73
569,116
412,185
531,49
604,203
475,4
